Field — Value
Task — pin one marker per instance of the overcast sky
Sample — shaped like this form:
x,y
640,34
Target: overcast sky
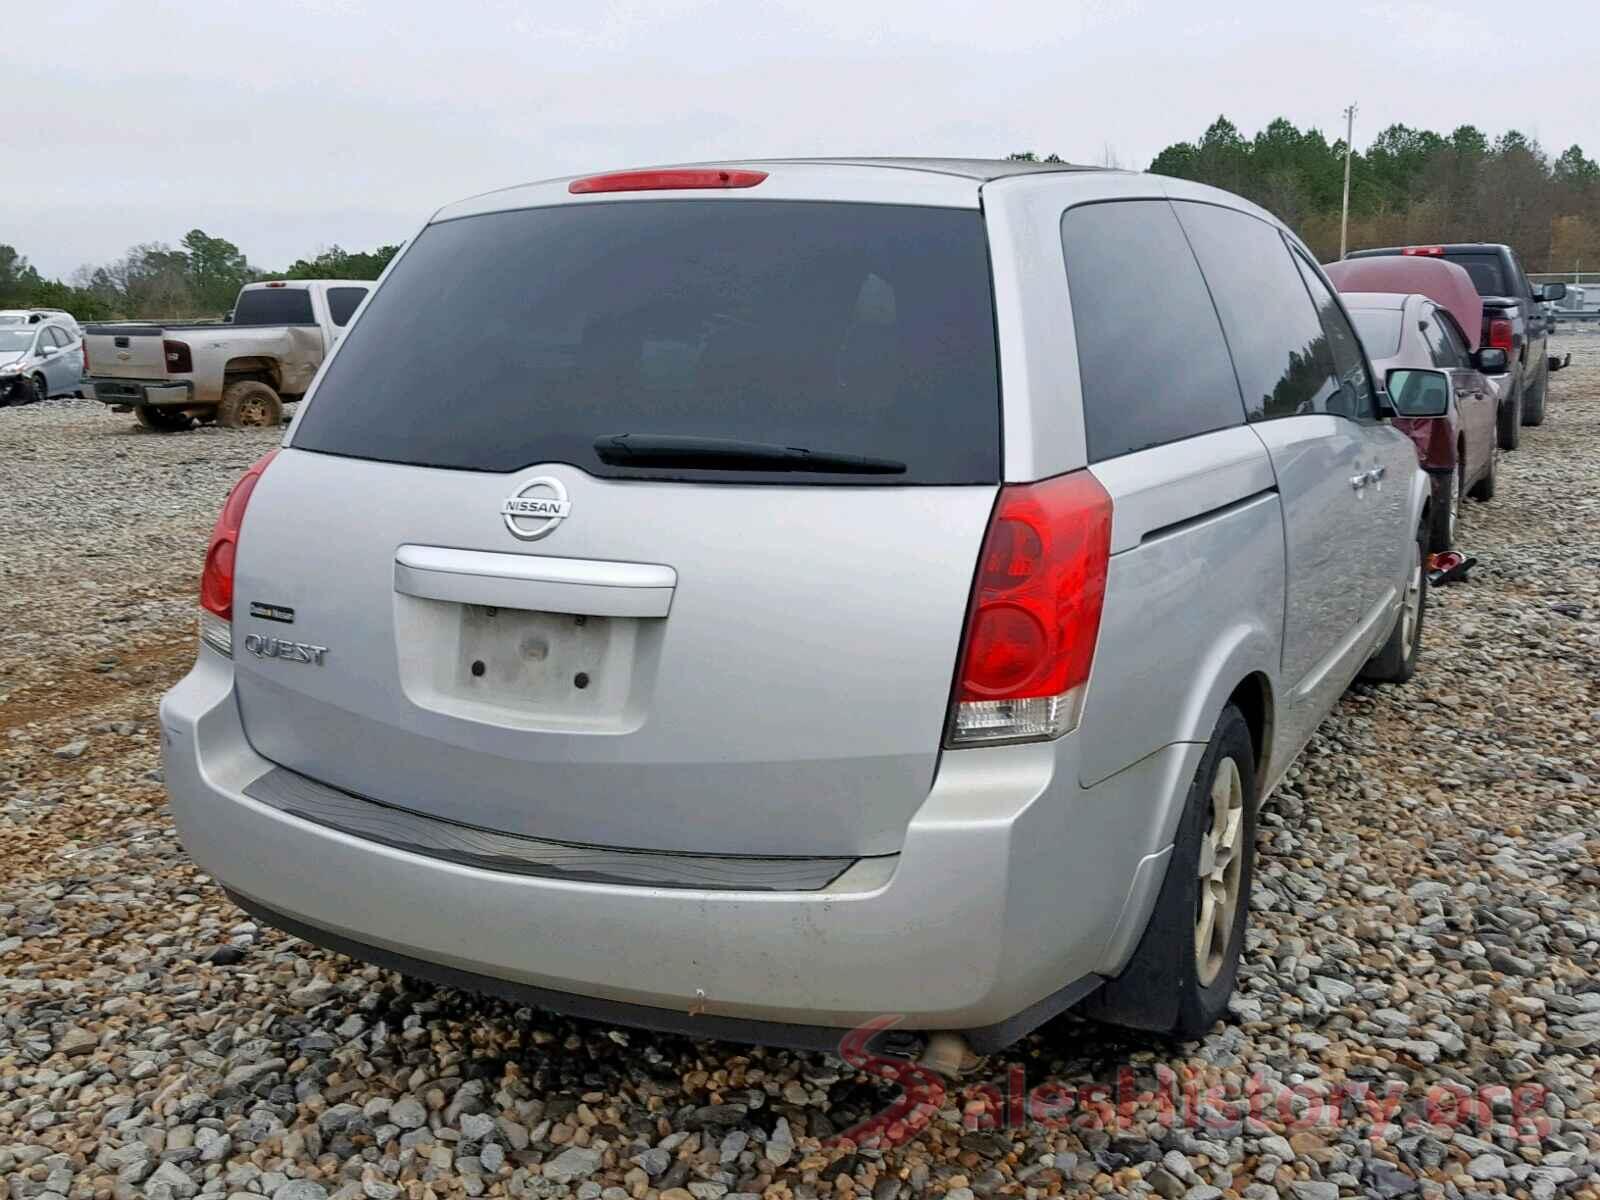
x,y
290,125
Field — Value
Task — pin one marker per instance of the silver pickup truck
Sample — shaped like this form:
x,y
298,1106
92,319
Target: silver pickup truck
x,y
234,373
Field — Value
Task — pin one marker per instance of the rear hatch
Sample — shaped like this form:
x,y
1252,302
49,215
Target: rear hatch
x,y
548,514
126,351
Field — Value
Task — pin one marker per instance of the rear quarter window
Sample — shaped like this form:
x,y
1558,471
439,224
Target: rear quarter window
x,y
343,302
274,306
1379,329
508,339
1152,362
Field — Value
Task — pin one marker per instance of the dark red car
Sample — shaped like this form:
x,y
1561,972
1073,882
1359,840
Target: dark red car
x,y
1418,313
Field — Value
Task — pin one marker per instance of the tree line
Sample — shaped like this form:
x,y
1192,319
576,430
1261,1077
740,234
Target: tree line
x,y
1410,186
197,278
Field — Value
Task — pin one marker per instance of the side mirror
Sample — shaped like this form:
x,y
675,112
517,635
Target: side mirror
x,y
1491,360
1552,292
1419,393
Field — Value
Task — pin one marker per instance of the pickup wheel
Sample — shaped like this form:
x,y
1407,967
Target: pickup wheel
x,y
1533,401
1510,422
1180,978
162,420
249,404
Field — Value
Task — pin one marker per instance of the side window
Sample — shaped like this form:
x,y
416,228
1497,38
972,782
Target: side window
x,y
343,302
1151,356
1356,397
1280,349
1454,338
1437,341
60,336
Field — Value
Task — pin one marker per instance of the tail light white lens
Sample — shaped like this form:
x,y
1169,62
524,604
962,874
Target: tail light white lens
x,y
1035,613
216,580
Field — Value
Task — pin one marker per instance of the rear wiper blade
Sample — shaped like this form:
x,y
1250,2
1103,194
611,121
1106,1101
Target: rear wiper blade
x,y
731,454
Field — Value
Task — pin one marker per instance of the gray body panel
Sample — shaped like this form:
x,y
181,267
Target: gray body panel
x,y
791,702
777,669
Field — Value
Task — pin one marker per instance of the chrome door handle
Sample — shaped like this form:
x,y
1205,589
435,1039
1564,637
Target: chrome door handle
x,y
1377,472
1358,481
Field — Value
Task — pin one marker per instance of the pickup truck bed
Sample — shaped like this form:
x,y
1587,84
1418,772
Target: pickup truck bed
x,y
239,373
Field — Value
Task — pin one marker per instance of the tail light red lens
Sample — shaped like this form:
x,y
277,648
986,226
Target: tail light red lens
x,y
1430,251
179,360
1035,615
1499,335
658,181
216,580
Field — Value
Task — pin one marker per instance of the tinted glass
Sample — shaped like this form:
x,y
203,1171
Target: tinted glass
x,y
1279,348
1153,364
1355,397
516,338
1438,342
343,301
274,306
1454,338
1488,273
1379,329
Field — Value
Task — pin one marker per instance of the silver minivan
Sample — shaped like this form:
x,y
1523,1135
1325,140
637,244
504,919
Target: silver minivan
x,y
760,599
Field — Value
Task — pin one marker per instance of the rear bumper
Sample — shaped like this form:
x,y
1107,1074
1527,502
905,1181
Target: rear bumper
x,y
134,393
1015,891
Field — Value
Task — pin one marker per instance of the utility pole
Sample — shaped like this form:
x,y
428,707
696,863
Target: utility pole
x,y
1344,213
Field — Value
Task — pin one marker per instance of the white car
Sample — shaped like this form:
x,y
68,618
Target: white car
x,y
37,316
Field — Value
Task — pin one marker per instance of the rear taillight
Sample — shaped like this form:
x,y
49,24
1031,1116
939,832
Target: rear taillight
x,y
216,580
667,180
1035,613
1498,335
179,360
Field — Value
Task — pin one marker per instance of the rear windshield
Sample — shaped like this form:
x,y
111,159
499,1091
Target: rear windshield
x,y
1488,274
515,338
1379,329
274,306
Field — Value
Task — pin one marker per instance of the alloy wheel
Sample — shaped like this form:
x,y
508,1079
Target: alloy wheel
x,y
1220,870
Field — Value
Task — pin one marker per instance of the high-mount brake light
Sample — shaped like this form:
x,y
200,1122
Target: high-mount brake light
x,y
666,180
216,580
1430,251
1035,614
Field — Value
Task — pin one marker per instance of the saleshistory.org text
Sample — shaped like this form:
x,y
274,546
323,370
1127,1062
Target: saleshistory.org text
x,y
1221,1110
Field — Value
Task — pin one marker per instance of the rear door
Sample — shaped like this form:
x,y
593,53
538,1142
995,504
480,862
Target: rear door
x,y
1320,452
1475,403
667,650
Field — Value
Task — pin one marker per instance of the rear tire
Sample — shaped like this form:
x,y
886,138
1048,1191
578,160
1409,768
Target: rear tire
x,y
1510,422
249,404
1396,662
1483,490
1179,980
1533,402
162,420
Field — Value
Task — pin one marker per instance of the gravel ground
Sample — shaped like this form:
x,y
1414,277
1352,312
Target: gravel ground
x,y
1419,1011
